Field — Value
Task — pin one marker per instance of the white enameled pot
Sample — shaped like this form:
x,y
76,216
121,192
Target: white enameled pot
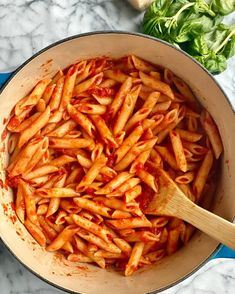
x,y
89,278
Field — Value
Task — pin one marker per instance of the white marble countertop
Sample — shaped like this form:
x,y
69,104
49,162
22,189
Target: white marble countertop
x,y
28,26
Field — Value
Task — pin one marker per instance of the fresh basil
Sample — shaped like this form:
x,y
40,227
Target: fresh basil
x,y
214,63
195,27
223,7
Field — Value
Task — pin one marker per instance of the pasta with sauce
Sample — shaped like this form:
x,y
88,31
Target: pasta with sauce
x,y
84,147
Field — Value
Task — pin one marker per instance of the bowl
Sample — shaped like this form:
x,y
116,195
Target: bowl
x,y
90,279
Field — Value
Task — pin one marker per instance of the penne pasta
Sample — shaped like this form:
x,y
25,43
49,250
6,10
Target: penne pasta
x,y
36,126
104,131
121,94
212,133
202,174
63,129
128,143
55,99
148,179
92,206
178,150
114,183
92,173
127,185
55,201
36,232
134,258
130,223
85,148
92,227
110,247
29,101
25,157
156,85
48,92
139,147
69,84
133,193
84,86
189,136
30,205
62,238
70,143
56,192
81,119
20,202
40,171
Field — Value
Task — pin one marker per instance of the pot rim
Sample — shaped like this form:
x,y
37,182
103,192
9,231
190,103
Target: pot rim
x,y
117,32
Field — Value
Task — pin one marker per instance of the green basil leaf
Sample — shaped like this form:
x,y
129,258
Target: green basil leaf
x,y
194,26
175,7
199,45
202,7
216,37
153,22
229,49
223,7
214,63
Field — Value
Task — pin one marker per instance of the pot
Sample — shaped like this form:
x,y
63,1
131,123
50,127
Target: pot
x,y
89,278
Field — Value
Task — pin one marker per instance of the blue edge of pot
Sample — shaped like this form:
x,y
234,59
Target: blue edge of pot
x,y
223,251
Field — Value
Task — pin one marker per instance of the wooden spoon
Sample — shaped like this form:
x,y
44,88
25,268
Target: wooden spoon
x,y
171,201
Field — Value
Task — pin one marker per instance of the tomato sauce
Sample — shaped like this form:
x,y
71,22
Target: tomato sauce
x,y
105,179
12,182
13,207
4,134
13,123
108,115
90,191
111,160
101,92
145,197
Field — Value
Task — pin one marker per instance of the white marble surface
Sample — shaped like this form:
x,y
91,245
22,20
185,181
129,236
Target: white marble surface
x,y
28,26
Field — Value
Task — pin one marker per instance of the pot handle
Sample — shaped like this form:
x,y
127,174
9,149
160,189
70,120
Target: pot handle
x,y
4,77
223,252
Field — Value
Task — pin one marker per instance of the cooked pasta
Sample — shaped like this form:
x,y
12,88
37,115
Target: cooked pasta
x,y
83,149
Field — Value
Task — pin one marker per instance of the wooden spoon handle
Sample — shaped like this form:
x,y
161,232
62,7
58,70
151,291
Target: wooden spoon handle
x,y
209,223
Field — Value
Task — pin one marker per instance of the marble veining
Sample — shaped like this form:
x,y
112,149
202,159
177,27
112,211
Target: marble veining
x,y
27,26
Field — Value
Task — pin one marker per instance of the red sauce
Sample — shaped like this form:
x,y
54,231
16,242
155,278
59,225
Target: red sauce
x,y
155,231
13,218
105,179
90,191
109,63
80,267
121,264
139,167
4,134
13,123
47,62
12,182
5,209
145,197
52,218
1,184
101,92
22,204
13,207
111,160
108,115
71,71
4,120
